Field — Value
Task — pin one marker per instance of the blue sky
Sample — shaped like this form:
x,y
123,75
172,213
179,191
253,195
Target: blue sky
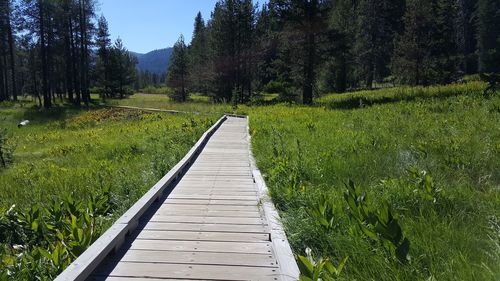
x,y
146,25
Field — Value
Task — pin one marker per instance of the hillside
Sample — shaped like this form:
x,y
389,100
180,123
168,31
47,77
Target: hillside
x,y
155,61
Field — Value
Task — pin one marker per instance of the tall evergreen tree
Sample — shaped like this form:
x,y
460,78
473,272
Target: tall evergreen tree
x,y
444,44
103,43
306,24
198,57
466,35
412,54
178,70
377,23
339,69
123,72
231,40
489,35
8,49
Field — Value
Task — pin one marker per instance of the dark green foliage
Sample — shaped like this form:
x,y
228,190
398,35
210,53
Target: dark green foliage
x,y
103,67
231,31
427,51
318,270
377,24
41,241
199,71
122,70
489,35
178,71
379,225
5,149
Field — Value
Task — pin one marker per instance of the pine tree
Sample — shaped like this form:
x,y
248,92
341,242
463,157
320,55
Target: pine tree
x,y
122,69
466,35
178,71
489,36
198,57
103,65
231,40
377,23
411,57
444,44
339,69
306,25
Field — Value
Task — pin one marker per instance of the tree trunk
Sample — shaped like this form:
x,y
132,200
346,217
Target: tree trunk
x,y
76,86
307,94
83,39
3,93
12,58
45,90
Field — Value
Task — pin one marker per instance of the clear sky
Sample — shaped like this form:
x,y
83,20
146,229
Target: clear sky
x,y
146,25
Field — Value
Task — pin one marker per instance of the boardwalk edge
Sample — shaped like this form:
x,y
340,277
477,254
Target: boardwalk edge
x,y
283,252
113,238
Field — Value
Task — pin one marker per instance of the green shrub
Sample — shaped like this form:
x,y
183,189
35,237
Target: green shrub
x,y
40,242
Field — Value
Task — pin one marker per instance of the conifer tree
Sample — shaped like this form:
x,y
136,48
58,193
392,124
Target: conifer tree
x,y
198,57
412,54
122,69
489,36
103,65
178,71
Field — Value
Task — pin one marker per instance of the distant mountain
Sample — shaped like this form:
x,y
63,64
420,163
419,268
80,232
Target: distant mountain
x,y
155,61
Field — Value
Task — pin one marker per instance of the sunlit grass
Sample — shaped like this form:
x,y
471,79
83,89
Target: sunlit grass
x,y
66,151
452,133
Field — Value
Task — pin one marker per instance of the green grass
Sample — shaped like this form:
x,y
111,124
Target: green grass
x,y
451,132
66,151
397,94
431,154
197,103
79,153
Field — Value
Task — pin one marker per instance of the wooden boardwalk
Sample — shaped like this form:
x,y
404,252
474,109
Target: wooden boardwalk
x,y
212,226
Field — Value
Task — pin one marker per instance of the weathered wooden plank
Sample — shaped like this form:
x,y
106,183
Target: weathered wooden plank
x,y
234,198
251,228
219,220
207,212
115,278
210,207
203,236
195,271
210,191
202,246
207,258
208,201
205,185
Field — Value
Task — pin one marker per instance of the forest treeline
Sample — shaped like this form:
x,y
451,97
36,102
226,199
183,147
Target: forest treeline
x,y
59,49
301,48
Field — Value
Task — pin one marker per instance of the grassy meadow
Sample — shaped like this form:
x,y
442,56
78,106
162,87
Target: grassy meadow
x,y
71,151
401,183
90,164
429,157
196,104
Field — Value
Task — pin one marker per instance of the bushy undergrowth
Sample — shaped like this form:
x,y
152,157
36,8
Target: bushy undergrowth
x,y
426,202
65,160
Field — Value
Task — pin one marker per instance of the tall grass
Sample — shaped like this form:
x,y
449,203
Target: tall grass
x,y
397,94
432,156
196,104
71,163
